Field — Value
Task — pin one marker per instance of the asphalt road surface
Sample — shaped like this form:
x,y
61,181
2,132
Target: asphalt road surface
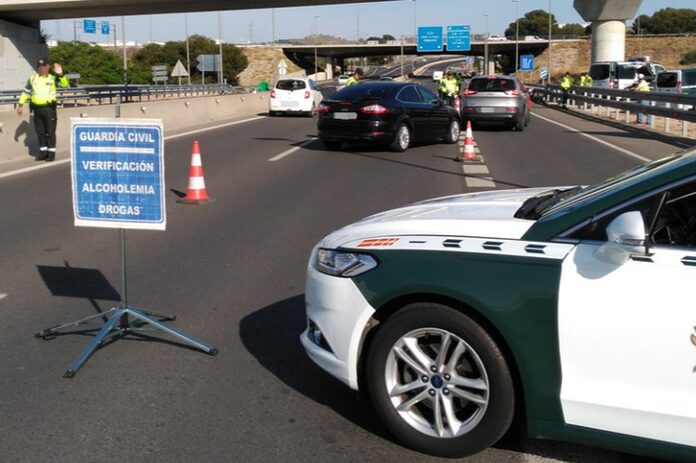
x,y
233,273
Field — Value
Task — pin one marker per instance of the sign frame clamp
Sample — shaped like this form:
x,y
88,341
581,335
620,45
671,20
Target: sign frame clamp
x,y
127,157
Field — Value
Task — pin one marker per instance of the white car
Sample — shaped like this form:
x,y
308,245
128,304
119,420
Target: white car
x,y
295,95
570,308
342,80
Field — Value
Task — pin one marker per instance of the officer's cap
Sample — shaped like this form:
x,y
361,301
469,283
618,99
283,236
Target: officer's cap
x,y
42,62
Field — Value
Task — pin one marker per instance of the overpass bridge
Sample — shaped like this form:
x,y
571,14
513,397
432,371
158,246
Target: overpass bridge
x,y
21,45
336,54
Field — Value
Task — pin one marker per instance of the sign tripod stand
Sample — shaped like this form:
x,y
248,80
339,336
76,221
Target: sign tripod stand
x,y
120,325
121,320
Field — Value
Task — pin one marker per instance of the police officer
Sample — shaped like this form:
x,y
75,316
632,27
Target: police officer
x,y
355,78
642,85
585,80
41,93
566,83
448,87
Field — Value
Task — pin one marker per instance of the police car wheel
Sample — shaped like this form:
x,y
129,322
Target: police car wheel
x,y
453,132
402,139
439,381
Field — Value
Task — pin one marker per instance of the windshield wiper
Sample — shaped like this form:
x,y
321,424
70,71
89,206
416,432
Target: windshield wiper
x,y
533,207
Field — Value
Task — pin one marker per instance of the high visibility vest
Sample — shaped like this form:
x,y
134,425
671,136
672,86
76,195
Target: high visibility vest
x,y
42,89
351,81
566,82
450,86
643,86
586,81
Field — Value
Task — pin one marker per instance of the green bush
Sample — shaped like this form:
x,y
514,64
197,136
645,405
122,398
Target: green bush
x,y
688,58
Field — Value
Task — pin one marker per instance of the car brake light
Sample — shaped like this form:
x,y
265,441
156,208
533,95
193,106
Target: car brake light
x,y
511,109
679,87
470,92
273,94
307,95
512,92
374,109
468,109
323,108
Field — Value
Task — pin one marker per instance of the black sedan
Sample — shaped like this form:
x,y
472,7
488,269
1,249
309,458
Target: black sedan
x,y
389,113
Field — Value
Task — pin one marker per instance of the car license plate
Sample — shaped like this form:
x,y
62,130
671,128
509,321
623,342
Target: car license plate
x,y
346,116
486,110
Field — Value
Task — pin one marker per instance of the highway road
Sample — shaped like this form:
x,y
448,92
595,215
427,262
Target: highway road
x,y
233,273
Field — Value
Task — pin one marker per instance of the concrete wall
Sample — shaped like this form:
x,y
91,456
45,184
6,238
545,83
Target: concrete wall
x,y
17,137
20,49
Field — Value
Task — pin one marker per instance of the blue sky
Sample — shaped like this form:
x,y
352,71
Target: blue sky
x,y
396,18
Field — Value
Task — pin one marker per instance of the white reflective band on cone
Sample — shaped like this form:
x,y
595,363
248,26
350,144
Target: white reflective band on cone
x,y
196,159
196,183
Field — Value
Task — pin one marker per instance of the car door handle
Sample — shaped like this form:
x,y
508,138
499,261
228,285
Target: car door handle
x,y
689,260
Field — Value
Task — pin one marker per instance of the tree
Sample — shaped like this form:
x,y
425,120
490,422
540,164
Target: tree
x,y
95,65
572,30
666,21
535,22
233,60
688,58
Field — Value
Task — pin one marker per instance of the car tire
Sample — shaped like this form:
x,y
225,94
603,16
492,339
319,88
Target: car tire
x,y
331,145
519,124
312,112
453,132
480,391
402,139
527,119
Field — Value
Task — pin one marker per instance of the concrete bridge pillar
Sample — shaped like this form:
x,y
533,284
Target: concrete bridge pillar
x,y
330,67
608,25
20,49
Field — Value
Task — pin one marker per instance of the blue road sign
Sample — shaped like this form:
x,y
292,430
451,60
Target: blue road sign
x,y
459,38
118,173
89,26
105,28
526,62
430,39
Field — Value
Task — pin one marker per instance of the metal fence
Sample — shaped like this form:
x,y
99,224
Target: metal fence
x,y
667,105
107,93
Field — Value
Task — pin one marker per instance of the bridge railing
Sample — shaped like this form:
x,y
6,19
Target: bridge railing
x,y
625,103
106,94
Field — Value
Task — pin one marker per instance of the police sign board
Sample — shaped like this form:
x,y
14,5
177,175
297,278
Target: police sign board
x,y
430,39
459,38
527,63
118,173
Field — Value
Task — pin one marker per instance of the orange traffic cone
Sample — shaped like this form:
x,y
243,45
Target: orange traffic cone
x,y
196,193
467,152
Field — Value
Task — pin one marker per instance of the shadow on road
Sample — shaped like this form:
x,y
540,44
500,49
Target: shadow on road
x,y
271,335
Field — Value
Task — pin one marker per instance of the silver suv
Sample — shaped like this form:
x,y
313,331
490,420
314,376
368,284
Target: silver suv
x,y
497,98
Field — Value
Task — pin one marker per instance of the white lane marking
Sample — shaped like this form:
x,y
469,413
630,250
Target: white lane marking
x,y
292,150
480,179
169,137
3,296
598,140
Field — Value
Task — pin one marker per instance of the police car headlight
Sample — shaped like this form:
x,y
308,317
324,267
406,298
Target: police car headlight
x,y
343,264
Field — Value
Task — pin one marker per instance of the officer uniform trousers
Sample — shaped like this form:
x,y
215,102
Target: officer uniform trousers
x,y
45,123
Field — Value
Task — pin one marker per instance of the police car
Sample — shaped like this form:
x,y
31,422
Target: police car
x,y
569,308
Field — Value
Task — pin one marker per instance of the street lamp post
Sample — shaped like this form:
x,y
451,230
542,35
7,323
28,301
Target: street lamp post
x,y
316,58
220,74
125,54
485,48
188,55
517,36
548,79
357,25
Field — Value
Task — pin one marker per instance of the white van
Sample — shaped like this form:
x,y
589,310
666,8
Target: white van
x,y
437,75
679,81
621,74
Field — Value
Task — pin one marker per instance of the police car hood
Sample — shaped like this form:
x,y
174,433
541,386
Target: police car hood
x,y
487,214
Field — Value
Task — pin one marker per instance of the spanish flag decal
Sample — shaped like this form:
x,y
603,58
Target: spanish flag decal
x,y
375,242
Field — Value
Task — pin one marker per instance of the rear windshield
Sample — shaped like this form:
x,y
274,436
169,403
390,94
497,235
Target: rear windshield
x,y
291,84
689,77
599,71
667,79
627,72
366,91
491,85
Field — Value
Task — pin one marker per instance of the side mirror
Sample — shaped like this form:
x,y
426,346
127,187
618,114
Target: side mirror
x,y
625,236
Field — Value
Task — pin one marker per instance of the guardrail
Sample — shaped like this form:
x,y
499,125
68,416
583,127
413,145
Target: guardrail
x,y
89,95
667,105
